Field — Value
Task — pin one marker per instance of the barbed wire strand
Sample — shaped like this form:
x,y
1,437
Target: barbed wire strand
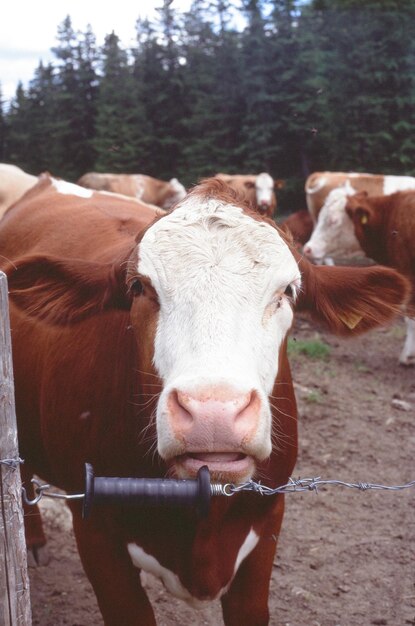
x,y
311,484
12,463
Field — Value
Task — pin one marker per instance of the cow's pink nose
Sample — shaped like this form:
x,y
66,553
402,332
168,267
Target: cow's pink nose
x,y
218,418
307,250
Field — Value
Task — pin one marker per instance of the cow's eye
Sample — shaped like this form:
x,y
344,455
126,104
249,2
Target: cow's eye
x,y
289,292
136,287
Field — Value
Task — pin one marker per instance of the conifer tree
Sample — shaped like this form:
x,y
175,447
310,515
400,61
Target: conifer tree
x,y
18,144
215,91
159,76
120,118
258,148
75,100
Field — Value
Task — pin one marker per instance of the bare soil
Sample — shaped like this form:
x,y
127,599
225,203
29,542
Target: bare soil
x,y
345,557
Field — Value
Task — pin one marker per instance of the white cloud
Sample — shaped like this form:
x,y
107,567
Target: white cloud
x,y
28,30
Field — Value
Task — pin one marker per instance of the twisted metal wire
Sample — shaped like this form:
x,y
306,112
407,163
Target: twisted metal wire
x,y
12,463
229,489
309,484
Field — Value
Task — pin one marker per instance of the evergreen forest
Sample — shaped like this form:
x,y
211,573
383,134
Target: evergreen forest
x,y
237,86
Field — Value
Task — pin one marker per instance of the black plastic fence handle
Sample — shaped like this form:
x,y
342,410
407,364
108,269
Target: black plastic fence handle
x,y
147,491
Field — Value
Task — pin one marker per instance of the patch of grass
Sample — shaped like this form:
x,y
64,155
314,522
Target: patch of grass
x,y
312,348
314,397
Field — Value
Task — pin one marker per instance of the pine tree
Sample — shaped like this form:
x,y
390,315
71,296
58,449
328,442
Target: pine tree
x,y
260,101
75,100
18,145
370,84
213,75
120,118
159,76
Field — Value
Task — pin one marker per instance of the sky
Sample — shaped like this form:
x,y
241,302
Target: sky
x,y
28,30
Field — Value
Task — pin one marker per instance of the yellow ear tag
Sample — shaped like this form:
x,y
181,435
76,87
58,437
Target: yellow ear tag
x,y
351,320
363,219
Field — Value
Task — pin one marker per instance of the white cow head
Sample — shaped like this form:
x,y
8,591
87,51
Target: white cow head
x,y
224,282
333,234
265,196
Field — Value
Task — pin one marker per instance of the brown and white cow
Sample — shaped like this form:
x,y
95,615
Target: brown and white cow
x,y
385,229
14,182
156,347
257,189
327,193
163,194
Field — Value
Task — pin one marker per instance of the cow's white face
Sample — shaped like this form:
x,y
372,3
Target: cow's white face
x,y
224,282
333,234
264,189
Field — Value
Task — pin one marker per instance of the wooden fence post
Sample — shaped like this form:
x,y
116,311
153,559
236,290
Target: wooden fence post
x,y
14,581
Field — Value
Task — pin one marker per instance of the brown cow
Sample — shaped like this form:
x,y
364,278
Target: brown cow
x,y
171,338
257,189
145,188
385,229
300,225
14,182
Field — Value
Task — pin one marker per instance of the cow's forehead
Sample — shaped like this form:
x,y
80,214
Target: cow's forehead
x,y
336,200
208,233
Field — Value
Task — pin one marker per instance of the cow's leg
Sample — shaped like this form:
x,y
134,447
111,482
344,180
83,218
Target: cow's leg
x,y
408,352
246,602
37,553
115,580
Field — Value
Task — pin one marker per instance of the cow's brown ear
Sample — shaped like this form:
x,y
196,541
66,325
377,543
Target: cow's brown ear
x,y
362,215
358,212
63,291
352,300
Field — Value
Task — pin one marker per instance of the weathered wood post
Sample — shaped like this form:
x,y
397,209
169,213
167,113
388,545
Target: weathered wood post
x,y
14,581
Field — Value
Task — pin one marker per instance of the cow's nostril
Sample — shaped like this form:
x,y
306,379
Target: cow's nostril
x,y
179,406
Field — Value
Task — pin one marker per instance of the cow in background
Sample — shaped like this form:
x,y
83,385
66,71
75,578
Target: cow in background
x,y
333,233
163,194
14,182
300,225
319,184
257,189
385,229
132,336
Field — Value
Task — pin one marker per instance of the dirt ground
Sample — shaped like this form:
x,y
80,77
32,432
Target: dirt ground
x,y
345,557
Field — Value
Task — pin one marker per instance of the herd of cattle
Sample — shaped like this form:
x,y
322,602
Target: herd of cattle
x,y
149,338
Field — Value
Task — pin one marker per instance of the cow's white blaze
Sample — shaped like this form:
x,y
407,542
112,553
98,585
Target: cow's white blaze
x,y
220,277
264,186
334,231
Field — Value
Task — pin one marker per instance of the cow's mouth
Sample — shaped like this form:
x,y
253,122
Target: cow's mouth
x,y
223,466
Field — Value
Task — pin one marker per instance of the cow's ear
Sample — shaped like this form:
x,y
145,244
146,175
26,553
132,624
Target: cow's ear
x,y
63,291
362,215
358,212
279,183
351,300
